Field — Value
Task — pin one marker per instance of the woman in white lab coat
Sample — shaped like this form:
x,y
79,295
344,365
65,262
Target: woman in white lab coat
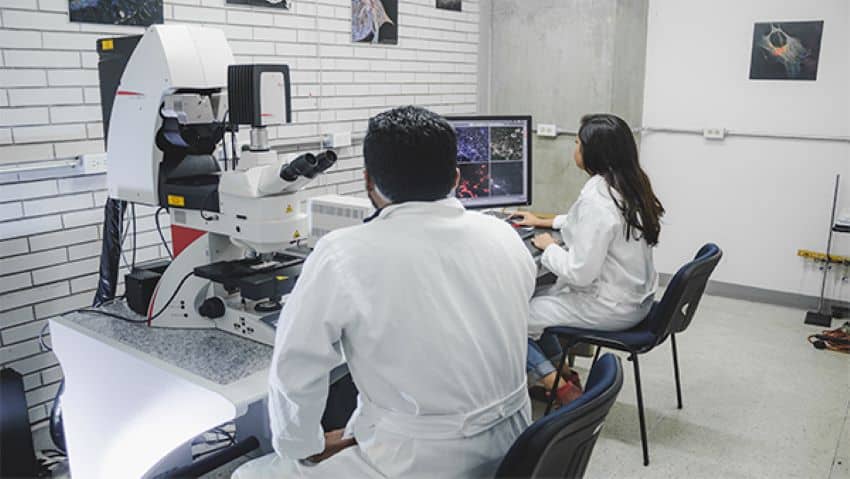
x,y
606,276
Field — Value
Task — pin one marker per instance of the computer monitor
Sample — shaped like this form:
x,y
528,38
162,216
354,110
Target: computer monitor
x,y
494,158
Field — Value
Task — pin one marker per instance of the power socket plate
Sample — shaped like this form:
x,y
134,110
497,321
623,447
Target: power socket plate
x,y
92,164
549,131
714,133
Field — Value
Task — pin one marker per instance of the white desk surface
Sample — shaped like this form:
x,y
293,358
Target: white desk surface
x,y
232,366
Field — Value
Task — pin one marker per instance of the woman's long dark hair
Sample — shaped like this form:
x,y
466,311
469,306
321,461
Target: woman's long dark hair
x,y
608,149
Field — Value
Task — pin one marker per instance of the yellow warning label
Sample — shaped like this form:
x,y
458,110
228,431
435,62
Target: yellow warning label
x,y
175,200
107,44
289,209
296,234
281,278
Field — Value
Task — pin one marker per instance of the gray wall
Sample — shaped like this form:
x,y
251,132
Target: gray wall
x,y
558,60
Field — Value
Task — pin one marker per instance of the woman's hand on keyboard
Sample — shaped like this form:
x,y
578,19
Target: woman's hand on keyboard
x,y
543,241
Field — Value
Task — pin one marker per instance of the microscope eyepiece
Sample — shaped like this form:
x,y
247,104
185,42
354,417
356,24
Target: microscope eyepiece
x,y
304,165
326,159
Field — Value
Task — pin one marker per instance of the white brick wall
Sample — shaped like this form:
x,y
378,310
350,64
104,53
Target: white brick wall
x,y
49,109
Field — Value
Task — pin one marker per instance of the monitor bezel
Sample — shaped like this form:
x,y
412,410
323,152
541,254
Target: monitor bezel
x,y
529,180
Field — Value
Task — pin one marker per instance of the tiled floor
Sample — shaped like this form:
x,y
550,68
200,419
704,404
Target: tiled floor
x,y
759,402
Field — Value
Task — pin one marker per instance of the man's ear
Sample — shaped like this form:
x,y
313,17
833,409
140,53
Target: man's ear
x,y
370,183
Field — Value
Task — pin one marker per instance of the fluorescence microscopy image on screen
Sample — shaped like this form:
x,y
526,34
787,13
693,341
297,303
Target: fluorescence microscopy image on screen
x,y
506,178
474,180
473,145
506,143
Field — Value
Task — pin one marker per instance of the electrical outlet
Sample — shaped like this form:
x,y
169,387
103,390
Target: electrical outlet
x,y
550,131
714,133
92,164
337,140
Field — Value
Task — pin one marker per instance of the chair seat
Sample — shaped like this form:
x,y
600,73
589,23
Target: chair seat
x,y
637,339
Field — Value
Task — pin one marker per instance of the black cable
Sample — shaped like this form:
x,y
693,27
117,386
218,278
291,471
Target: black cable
x,y
110,301
233,130
173,295
107,313
125,228
229,435
224,138
204,205
133,213
221,437
53,453
211,461
129,320
162,236
41,338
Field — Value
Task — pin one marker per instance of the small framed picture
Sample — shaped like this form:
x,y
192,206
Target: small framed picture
x,y
786,51
374,21
455,5
284,4
127,12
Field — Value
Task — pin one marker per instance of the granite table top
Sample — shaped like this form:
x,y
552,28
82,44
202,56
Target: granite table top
x,y
212,354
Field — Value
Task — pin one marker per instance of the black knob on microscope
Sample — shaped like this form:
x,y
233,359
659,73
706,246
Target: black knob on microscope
x,y
212,308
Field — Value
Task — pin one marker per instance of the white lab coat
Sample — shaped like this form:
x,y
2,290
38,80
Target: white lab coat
x,y
604,282
429,303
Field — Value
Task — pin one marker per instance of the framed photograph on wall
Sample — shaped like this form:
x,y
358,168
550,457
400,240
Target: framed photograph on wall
x,y
116,12
786,50
284,4
374,21
455,5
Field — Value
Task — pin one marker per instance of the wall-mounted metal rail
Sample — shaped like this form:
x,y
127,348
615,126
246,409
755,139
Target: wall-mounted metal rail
x,y
749,134
727,133
41,165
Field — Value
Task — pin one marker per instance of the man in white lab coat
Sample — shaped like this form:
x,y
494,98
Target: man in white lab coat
x,y
429,305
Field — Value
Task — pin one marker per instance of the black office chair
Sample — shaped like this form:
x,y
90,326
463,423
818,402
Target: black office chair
x,y
671,315
559,445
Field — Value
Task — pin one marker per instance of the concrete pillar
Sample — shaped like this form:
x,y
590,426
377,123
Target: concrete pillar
x,y
558,60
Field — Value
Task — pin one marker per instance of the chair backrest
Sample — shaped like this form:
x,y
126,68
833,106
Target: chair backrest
x,y
676,309
559,445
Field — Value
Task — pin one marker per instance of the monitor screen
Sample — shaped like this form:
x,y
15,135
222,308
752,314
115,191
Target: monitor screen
x,y
494,158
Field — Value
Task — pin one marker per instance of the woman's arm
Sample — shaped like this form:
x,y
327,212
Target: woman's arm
x,y
524,218
581,265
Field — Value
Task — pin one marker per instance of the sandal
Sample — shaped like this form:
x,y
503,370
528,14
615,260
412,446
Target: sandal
x,y
573,378
568,393
565,394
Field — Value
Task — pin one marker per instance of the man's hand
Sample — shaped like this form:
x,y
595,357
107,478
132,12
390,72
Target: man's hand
x,y
543,241
334,443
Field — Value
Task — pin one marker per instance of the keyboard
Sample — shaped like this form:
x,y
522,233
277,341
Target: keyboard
x,y
498,214
525,234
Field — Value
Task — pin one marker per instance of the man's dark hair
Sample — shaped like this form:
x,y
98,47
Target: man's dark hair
x,y
411,154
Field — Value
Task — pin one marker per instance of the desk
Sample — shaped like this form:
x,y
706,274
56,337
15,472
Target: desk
x,y
135,397
544,276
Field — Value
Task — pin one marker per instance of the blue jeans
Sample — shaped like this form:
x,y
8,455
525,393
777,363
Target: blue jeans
x,y
541,356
